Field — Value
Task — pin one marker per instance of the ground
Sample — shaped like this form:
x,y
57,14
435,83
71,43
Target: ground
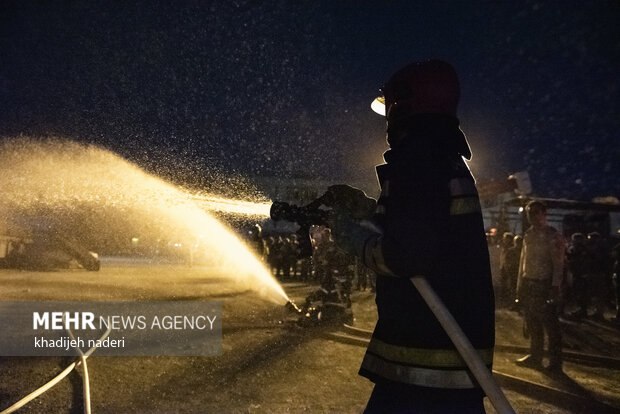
x,y
269,364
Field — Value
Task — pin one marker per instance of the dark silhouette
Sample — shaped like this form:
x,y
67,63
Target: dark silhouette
x,y
428,222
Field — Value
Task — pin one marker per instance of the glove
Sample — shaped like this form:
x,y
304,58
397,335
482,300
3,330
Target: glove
x,y
349,234
354,200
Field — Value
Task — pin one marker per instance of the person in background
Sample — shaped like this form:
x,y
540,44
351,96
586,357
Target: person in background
x,y
513,255
541,271
577,263
598,273
504,268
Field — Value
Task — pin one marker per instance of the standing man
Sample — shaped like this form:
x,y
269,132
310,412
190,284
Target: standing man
x,y
540,278
428,222
505,270
512,261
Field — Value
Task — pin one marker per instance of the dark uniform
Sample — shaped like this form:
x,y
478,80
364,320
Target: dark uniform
x,y
432,226
332,302
428,223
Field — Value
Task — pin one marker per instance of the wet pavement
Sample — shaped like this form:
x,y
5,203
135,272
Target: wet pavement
x,y
269,364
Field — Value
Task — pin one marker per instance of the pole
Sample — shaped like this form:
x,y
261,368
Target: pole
x,y
482,374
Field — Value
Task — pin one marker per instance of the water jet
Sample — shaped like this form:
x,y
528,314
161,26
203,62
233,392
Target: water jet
x,y
113,207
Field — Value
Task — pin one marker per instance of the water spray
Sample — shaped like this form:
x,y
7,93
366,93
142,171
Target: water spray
x,y
98,197
341,198
292,307
103,201
233,206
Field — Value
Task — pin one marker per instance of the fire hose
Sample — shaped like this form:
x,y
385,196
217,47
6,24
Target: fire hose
x,y
85,379
462,344
482,374
360,206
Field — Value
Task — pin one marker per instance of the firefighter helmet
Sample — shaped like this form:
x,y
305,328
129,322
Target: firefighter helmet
x,y
428,87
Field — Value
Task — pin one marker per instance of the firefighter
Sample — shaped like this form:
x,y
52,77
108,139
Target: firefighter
x,y
541,271
512,264
328,305
505,269
428,222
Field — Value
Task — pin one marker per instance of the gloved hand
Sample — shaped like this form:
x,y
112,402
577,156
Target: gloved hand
x,y
354,200
348,233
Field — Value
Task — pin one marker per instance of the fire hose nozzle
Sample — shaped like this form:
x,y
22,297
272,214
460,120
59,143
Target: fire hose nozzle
x,y
290,305
338,197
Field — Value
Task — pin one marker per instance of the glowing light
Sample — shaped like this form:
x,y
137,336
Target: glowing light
x,y
227,205
102,199
378,105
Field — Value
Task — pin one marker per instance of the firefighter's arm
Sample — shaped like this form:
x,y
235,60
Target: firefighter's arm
x,y
351,235
391,256
409,242
416,221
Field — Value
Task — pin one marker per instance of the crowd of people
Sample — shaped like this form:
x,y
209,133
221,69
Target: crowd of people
x,y
281,254
589,278
545,278
336,272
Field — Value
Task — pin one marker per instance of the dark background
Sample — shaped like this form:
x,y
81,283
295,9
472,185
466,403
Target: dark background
x,y
280,87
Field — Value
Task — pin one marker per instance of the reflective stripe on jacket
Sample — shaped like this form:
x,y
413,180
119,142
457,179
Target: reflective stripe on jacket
x,y
431,225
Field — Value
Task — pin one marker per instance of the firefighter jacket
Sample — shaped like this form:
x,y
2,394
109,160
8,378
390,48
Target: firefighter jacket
x,y
431,225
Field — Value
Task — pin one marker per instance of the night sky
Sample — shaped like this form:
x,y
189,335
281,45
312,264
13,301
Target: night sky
x,y
284,87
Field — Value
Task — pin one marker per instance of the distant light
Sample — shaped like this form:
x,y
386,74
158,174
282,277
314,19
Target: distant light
x,y
177,245
520,209
135,240
378,105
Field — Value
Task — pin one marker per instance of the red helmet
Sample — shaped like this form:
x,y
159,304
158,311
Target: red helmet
x,y
429,87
